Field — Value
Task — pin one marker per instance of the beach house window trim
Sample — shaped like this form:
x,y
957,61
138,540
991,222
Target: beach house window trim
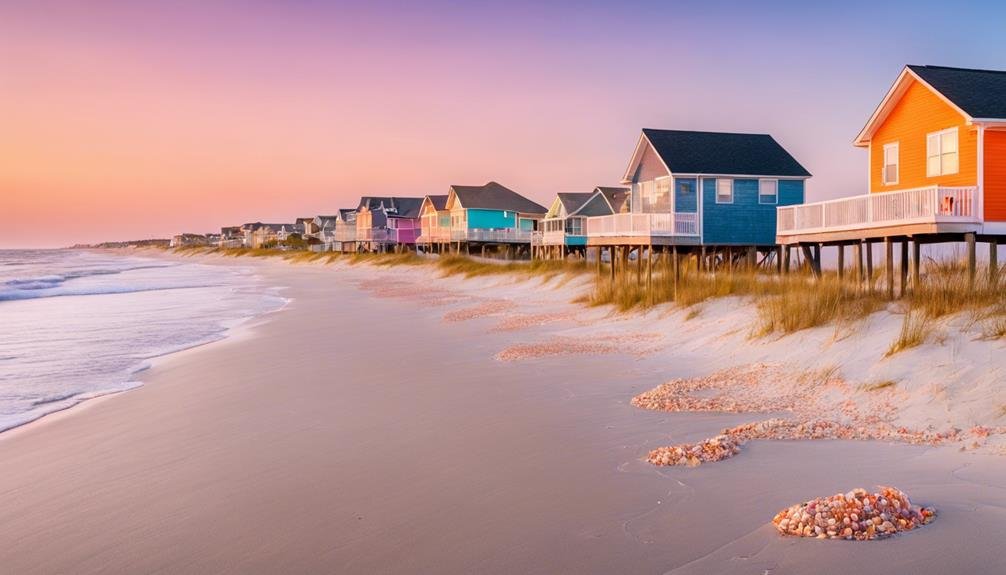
x,y
892,159
768,198
943,153
724,190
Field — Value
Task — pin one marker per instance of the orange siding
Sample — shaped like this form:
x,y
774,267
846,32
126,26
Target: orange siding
x,y
917,113
995,176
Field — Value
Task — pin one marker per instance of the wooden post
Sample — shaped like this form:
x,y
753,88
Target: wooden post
x,y
903,287
786,257
916,264
702,259
778,260
857,252
841,262
869,266
639,265
677,269
752,258
649,269
599,248
969,241
993,263
889,266
611,262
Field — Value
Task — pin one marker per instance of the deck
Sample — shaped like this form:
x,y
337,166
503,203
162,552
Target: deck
x,y
679,228
930,210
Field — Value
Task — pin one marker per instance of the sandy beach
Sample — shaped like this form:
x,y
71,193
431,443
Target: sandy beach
x,y
386,422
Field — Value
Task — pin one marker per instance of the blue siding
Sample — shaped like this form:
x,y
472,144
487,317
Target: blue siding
x,y
686,199
745,221
491,219
576,240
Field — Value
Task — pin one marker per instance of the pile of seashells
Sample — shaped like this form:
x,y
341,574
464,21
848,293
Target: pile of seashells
x,y
855,515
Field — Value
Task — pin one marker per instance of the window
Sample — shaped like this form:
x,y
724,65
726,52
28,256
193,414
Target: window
x,y
941,153
768,191
724,191
890,174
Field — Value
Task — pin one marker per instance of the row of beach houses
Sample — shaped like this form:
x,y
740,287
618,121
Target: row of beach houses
x,y
936,171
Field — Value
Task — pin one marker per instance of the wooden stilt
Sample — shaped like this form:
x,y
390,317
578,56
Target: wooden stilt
x,y
993,263
969,241
611,262
599,248
916,263
857,252
786,256
889,266
869,266
841,262
903,269
752,258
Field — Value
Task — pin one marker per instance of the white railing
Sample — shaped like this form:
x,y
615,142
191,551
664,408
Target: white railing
x,y
491,235
345,234
916,206
554,238
676,224
434,236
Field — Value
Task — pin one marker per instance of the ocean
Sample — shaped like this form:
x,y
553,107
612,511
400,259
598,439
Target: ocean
x,y
76,324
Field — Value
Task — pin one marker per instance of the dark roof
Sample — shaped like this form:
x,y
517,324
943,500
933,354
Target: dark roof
x,y
494,196
687,152
980,93
439,202
406,207
573,201
617,197
346,213
372,202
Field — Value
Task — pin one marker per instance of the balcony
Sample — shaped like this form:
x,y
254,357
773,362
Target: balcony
x,y
633,225
345,235
434,236
499,235
926,208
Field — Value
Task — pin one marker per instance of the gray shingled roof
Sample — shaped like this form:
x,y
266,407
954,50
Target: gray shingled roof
x,y
407,207
980,93
439,202
617,197
494,196
687,152
573,201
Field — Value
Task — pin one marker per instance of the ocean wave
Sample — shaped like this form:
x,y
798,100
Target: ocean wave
x,y
19,294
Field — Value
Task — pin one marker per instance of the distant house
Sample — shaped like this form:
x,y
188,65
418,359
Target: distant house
x,y
322,230
345,230
304,227
565,224
261,235
385,221
492,214
231,237
703,188
187,240
435,223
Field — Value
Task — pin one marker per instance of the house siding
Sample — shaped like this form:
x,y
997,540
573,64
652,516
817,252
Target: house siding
x,y
920,112
491,219
995,176
745,221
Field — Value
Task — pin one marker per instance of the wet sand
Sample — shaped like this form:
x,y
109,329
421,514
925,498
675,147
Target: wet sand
x,y
354,433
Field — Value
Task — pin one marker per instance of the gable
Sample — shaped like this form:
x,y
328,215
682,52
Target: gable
x,y
645,164
555,210
914,88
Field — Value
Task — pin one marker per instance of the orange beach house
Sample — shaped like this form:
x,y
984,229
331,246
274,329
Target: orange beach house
x,y
937,165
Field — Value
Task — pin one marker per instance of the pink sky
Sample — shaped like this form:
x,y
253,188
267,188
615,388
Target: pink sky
x,y
124,120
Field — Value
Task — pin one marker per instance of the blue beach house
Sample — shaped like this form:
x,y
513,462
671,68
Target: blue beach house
x,y
564,228
703,189
492,213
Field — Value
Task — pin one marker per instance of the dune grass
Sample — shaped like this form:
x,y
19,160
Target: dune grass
x,y
916,327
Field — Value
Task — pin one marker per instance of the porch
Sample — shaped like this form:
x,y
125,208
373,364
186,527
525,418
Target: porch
x,y
929,210
492,235
654,228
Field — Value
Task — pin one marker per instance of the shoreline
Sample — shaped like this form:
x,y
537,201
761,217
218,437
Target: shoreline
x,y
377,435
